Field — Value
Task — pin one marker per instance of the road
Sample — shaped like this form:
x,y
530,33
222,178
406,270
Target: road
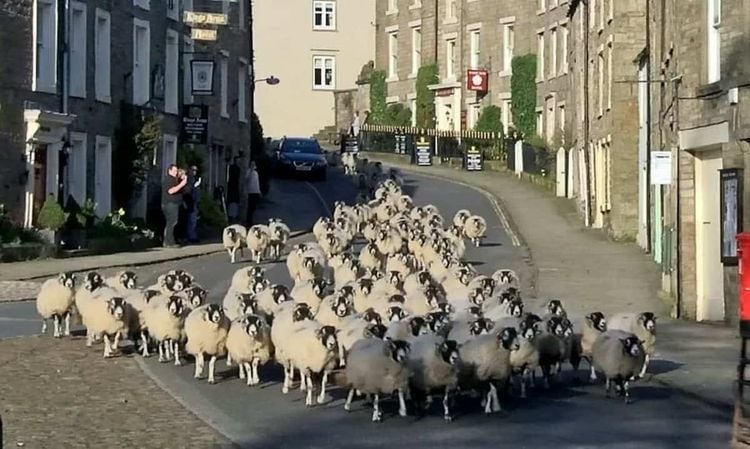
x,y
566,417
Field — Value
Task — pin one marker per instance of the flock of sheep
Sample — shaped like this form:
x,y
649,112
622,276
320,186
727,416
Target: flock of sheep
x,y
382,299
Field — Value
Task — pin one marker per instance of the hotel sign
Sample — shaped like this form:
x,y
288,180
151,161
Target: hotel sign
x,y
477,80
205,18
200,34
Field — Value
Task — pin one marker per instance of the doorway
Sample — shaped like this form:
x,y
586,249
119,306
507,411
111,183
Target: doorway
x,y
709,270
103,176
40,180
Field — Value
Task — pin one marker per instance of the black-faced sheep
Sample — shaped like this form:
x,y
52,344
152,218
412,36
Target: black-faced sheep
x,y
433,363
643,325
620,356
206,329
55,300
233,239
249,345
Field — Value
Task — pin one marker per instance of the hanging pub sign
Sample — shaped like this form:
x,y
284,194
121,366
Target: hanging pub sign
x,y
477,80
351,145
195,124
731,213
474,160
400,144
424,152
202,77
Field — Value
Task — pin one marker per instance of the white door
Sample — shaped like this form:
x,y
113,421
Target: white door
x,y
76,178
103,176
572,164
561,176
709,270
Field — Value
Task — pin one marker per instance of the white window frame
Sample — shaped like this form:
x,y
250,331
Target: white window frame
x,y
323,59
553,52
600,61
413,109
416,50
103,202
78,38
393,55
415,4
541,6
509,42
539,121
592,14
475,48
172,72
141,68
507,111
451,11
392,7
224,88
609,74
713,41
242,90
327,8
103,57
550,113
143,4
473,115
451,50
45,80
540,56
610,10
77,167
187,87
173,9
561,117
564,35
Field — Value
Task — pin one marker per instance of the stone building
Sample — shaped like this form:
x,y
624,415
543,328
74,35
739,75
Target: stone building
x,y
66,115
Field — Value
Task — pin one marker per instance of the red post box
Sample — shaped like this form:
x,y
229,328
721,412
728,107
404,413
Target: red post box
x,y
743,271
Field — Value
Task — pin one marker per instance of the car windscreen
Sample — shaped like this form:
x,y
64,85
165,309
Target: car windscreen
x,y
300,146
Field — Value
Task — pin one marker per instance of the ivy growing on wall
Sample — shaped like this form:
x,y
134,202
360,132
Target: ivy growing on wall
x,y
426,76
523,94
490,120
378,94
398,115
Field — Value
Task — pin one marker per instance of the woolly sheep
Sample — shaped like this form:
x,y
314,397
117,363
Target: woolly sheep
x,y
311,292
315,351
258,241
506,277
400,262
388,241
233,238
407,329
334,242
424,300
106,316
356,327
249,344
139,300
333,310
594,324
433,363
272,297
378,367
164,321
245,278
55,300
206,330
554,346
284,336
123,281
475,229
193,297
459,219
347,273
643,325
243,304
313,265
525,360
620,356
371,257
463,331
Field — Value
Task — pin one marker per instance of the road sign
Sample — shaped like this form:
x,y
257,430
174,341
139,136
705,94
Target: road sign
x,y
474,160
400,144
200,34
195,124
424,152
205,18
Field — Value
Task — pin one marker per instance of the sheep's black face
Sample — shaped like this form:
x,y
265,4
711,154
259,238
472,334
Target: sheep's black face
x,y
446,261
347,291
214,313
509,339
319,287
248,303
476,296
375,331
93,281
256,272
302,312
399,350
175,306
481,326
556,326
449,351
505,277
197,296
257,232
372,250
308,262
648,320
169,281
394,278
530,326
424,278
67,279
396,313
632,346
148,295
300,248
568,327
382,235
488,285
516,308
254,325
258,285
342,307
397,298
505,298
418,326
128,280
372,317
597,321
116,307
232,233
437,320
475,311
327,336
555,307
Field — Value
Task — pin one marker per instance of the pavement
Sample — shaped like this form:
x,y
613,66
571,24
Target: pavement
x,y
590,272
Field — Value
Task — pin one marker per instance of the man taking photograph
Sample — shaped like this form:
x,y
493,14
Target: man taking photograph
x,y
171,199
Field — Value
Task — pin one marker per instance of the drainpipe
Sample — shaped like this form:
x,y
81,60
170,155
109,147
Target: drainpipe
x,y
649,223
251,103
586,114
64,54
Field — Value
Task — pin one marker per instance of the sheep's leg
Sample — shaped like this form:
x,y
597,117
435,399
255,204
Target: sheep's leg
x,y
626,391
198,366
229,360
67,324
342,356
162,359
488,401
231,255
285,386
495,403
176,346
307,378
607,385
167,349
44,325
144,345
525,377
248,373
401,403
56,324
322,395
592,375
116,345
211,366
256,377
349,398
645,366
89,338
546,375
377,416
107,350
242,370
302,381
446,405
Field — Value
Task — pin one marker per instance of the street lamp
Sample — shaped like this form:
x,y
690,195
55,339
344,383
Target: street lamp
x,y
271,80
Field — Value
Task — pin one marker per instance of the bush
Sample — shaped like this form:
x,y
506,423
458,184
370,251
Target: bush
x,y
210,213
188,156
426,76
490,120
378,94
51,216
398,115
523,93
10,234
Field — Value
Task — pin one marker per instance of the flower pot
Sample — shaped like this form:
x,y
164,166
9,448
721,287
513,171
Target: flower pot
x,y
74,238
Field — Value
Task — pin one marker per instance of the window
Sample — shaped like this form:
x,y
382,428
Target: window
x,y
416,50
450,10
508,44
187,81
143,4
474,60
45,56
550,112
539,121
173,9
601,14
76,176
714,41
103,176
392,7
141,61
171,72
242,16
393,55
413,108
540,56
241,88
78,31
102,58
415,4
324,68
592,13
324,15
507,114
561,118
474,112
224,84
609,76
564,49
541,6
450,59
600,85
553,53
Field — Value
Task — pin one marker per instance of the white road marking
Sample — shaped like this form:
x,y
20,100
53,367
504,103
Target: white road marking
x,y
320,197
29,320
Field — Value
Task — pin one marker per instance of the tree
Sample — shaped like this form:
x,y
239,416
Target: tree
x,y
523,94
490,120
398,115
426,76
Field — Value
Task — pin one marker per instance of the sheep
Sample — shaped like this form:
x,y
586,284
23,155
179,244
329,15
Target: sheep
x,y
315,351
123,281
183,279
233,238
390,285
463,331
506,277
54,301
642,325
503,308
433,363
407,329
389,241
525,360
249,344
313,265
294,258
246,277
356,327
334,242
402,262
475,229
322,226
243,304
279,235
206,330
258,241
194,297
333,310
139,300
486,283
363,288
423,301
164,321
594,324
167,284
311,292
271,298
485,360
417,281
283,335
106,316
378,367
554,346
459,219
90,302
555,308
371,257
620,356
347,273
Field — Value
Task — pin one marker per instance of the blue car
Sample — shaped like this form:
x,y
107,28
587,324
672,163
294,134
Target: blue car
x,y
301,156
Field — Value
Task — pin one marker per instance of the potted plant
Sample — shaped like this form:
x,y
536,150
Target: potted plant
x,y
51,219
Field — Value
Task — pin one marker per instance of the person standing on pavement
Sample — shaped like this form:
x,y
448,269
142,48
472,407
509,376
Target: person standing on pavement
x,y
253,192
191,199
171,199
233,192
354,130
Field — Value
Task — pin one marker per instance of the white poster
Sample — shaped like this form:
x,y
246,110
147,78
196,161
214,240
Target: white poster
x,y
202,77
661,167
